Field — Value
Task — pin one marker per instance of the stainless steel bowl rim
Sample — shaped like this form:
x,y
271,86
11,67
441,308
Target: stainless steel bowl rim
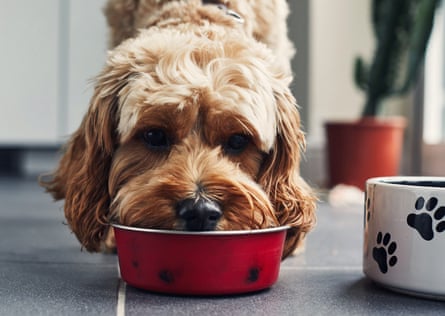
x,y
203,233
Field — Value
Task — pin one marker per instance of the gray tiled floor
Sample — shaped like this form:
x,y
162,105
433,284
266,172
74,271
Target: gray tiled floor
x,y
43,271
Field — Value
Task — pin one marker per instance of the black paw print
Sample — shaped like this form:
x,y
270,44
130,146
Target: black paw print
x,y
384,255
368,209
423,222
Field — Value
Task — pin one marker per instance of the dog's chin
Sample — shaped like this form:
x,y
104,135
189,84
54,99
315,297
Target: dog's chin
x,y
237,210
236,215
178,224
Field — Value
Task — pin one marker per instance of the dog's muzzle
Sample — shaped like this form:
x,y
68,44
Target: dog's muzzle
x,y
198,214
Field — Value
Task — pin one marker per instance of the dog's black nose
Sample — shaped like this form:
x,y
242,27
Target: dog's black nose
x,y
199,214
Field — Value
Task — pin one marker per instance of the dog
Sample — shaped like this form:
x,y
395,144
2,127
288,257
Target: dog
x,y
191,126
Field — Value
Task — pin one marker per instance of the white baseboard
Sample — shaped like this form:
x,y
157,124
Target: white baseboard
x,y
38,162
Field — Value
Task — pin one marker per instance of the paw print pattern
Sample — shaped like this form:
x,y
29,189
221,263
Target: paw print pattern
x,y
424,222
383,253
367,209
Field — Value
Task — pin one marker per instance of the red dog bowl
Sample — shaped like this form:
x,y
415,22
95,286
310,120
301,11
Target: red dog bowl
x,y
199,263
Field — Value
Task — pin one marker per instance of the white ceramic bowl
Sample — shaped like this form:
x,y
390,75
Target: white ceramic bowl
x,y
404,234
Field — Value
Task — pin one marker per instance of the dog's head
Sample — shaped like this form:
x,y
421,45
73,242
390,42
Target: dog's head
x,y
197,132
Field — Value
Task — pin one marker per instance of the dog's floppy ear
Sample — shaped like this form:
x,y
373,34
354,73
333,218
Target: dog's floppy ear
x,y
293,199
82,175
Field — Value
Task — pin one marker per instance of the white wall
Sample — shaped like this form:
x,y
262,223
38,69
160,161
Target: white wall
x,y
28,71
49,51
340,30
434,89
88,40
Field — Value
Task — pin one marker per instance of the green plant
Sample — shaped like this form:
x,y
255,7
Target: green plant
x,y
402,29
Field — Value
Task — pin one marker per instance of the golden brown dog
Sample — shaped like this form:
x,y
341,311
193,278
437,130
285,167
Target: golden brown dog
x,y
192,125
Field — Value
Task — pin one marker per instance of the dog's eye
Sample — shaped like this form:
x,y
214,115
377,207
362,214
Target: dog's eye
x,y
237,143
156,138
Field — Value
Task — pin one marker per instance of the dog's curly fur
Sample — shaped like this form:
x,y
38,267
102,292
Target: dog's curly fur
x,y
193,105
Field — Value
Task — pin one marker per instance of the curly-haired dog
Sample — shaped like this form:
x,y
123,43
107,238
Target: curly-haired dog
x,y
192,125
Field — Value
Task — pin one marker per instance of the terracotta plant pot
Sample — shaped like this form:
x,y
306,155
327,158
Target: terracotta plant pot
x,y
363,149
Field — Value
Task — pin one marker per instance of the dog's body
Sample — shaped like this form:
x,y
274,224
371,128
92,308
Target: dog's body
x,y
192,125
264,20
